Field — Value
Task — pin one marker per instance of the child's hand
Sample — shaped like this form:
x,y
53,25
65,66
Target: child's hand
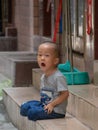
x,y
49,108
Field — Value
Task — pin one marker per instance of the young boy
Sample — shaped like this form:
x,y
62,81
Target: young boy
x,y
53,90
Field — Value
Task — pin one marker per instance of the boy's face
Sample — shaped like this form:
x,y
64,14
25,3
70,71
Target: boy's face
x,y
47,59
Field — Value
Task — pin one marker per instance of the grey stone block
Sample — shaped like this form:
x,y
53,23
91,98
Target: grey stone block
x,y
18,67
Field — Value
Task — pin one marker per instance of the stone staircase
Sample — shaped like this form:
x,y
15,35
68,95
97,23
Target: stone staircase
x,y
14,97
82,110
82,103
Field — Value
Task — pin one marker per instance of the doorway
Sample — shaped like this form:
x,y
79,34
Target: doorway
x,y
6,15
0,17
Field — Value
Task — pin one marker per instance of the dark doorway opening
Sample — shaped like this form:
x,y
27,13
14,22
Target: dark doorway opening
x,y
0,17
6,13
46,20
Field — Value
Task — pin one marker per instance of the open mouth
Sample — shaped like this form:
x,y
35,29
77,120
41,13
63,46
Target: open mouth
x,y
43,64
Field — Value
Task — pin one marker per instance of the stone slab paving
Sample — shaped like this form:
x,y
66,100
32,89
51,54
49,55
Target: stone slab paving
x,y
5,123
4,82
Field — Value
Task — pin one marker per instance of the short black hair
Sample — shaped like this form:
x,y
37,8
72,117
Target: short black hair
x,y
55,46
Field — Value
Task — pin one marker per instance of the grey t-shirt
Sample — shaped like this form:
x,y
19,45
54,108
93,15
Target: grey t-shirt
x,y
51,87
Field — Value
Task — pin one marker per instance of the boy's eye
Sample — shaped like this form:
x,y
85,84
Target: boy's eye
x,y
47,55
39,54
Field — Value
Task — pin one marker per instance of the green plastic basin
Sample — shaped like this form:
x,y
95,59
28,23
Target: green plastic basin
x,y
77,78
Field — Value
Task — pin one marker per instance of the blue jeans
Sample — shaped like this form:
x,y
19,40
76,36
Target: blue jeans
x,y
34,110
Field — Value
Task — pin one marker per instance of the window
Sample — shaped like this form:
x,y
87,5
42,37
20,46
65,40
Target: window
x,y
80,17
72,15
75,24
77,16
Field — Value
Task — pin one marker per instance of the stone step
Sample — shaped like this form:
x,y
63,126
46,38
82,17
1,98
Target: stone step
x,y
82,102
13,97
17,66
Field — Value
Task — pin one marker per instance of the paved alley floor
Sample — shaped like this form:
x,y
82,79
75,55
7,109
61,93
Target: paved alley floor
x,y
5,123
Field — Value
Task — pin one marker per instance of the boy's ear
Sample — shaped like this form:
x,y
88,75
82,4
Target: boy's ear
x,y
56,61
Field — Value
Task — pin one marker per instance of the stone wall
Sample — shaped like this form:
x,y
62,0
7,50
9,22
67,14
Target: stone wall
x,y
24,24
